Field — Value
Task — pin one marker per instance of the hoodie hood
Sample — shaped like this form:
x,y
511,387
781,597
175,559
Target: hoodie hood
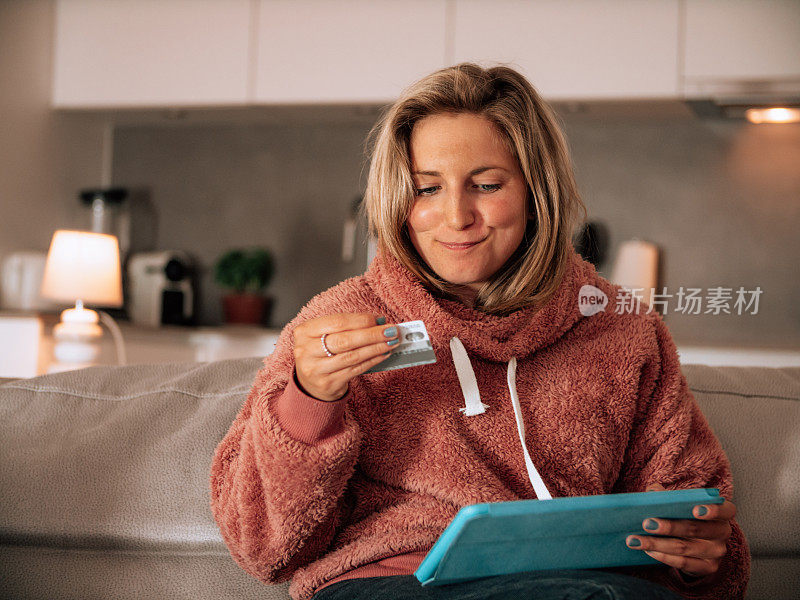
x,y
491,337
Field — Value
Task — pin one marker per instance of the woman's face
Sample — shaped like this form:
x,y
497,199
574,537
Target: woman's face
x,y
469,213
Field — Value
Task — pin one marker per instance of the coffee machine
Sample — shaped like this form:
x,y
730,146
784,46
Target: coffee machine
x,y
161,288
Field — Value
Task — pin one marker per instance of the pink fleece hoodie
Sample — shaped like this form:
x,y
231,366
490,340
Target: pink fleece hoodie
x,y
319,492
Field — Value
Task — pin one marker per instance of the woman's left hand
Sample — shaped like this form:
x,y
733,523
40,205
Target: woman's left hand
x,y
695,546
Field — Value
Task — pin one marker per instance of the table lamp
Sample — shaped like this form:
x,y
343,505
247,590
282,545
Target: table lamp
x,y
83,267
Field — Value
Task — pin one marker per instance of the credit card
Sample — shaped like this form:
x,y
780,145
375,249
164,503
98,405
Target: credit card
x,y
414,349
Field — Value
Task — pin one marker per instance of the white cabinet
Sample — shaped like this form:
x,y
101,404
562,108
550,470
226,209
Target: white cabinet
x,y
346,51
151,52
729,43
118,53
582,49
140,53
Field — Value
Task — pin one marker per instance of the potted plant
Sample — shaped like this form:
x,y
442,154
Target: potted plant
x,y
246,273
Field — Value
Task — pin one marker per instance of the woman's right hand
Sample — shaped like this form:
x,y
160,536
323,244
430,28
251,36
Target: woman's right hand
x,y
357,342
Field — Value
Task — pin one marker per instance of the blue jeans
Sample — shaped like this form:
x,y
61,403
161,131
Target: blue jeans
x,y
538,585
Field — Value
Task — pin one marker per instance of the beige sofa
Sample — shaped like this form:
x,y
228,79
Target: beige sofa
x,y
104,478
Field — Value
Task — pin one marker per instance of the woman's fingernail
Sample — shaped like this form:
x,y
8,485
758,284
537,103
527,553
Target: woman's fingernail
x,y
390,331
381,320
634,543
393,343
702,510
651,525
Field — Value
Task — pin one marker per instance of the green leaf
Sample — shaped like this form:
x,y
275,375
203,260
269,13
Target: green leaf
x,y
244,270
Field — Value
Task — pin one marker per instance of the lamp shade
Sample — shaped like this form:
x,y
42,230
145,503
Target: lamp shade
x,y
83,266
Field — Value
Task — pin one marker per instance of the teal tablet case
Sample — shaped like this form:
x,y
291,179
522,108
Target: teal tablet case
x,y
581,532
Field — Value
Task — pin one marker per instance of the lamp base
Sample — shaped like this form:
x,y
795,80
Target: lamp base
x,y
77,340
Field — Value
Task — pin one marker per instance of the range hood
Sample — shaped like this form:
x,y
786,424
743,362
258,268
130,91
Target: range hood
x,y
731,99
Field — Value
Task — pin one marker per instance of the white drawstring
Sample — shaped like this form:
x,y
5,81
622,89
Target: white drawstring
x,y
466,377
536,480
474,406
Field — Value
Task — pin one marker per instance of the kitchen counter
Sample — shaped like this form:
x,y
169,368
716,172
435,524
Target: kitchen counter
x,y
204,344
170,343
738,357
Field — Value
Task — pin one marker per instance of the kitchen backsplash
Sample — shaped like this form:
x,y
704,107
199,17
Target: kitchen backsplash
x,y
720,198
289,188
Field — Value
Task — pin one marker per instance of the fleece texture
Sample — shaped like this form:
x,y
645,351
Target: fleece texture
x,y
317,491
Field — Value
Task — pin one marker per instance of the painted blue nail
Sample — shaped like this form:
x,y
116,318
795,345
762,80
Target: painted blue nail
x,y
702,510
381,320
390,331
634,543
393,343
651,525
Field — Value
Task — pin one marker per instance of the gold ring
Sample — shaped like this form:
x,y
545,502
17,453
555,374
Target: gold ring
x,y
324,346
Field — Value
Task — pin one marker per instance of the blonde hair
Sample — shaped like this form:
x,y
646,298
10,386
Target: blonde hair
x,y
531,132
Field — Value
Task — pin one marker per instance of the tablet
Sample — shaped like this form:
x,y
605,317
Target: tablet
x,y
581,532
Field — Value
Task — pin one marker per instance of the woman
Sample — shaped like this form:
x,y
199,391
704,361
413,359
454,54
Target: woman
x,y
343,479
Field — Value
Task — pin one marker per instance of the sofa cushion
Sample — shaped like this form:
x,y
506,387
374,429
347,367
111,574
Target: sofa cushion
x,y
95,457
110,466
755,413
